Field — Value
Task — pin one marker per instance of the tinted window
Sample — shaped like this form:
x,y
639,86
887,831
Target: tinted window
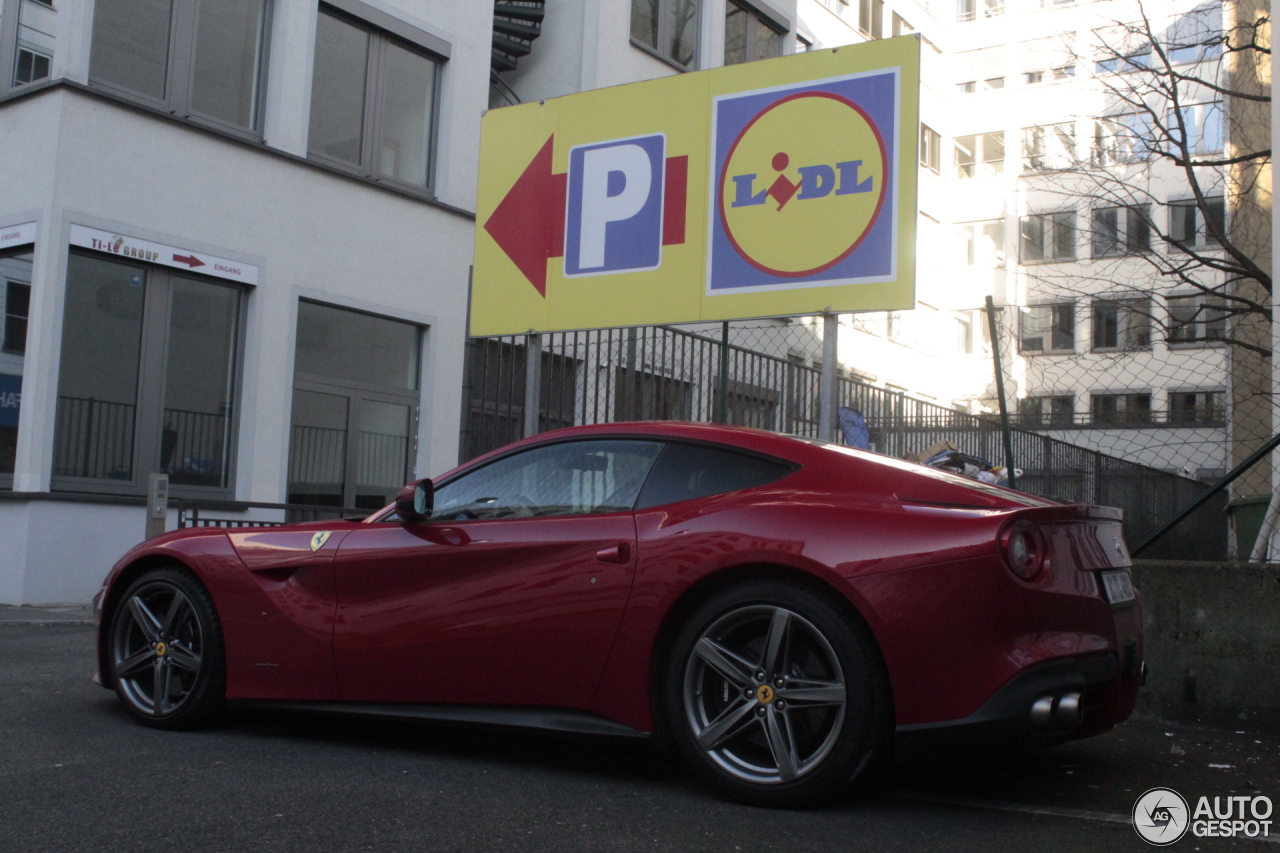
x,y
687,471
573,478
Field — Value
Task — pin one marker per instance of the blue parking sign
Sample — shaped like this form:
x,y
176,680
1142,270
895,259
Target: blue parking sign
x,y
613,216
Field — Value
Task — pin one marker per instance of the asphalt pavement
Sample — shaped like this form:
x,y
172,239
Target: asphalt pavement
x,y
77,774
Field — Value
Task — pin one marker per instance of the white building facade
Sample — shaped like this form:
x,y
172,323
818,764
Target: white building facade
x,y
236,246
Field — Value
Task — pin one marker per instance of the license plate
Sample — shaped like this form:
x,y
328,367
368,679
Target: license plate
x,y
1118,586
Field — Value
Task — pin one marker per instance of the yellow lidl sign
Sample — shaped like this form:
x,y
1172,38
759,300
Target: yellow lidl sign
x,y
773,188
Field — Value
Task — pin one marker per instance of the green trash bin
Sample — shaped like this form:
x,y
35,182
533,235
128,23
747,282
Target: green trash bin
x,y
1246,516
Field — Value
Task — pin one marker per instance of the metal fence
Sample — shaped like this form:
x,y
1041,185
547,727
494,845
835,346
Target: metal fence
x,y
665,373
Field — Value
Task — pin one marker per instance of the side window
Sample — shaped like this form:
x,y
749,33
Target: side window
x,y
573,478
687,471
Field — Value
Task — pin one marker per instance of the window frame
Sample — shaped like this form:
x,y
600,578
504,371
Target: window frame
x,y
149,395
755,20
1123,309
663,36
1123,419
1041,417
6,480
1199,324
1124,242
180,72
1220,408
930,149
1039,139
1054,309
380,39
357,392
10,12
982,167
1201,240
1050,218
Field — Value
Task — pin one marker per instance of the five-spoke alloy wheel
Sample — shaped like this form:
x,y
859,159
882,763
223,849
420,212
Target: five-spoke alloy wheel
x,y
778,694
167,663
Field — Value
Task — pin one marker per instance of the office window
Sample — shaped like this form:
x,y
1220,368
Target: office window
x,y
1047,328
968,87
1049,237
1121,231
901,26
373,102
964,334
1192,226
1134,60
1122,139
1063,72
15,304
1120,408
1196,319
930,149
803,44
1122,324
748,35
1056,410
1197,407
982,243
993,84
1202,124
871,18
355,404
1048,148
968,10
1031,78
199,58
147,378
979,156
32,66
1196,36
667,27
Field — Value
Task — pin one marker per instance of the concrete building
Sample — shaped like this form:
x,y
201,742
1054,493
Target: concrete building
x,y
235,241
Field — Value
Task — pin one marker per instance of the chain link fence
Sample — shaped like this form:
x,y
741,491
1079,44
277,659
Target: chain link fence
x,y
768,374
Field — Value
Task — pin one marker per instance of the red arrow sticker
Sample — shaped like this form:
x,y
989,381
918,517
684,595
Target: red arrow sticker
x,y
190,260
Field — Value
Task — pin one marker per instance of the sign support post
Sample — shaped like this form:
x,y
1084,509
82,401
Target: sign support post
x,y
532,382
828,388
722,393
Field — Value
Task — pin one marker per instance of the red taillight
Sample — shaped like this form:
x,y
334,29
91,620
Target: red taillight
x,y
1022,546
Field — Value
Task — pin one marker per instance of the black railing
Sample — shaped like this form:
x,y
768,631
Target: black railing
x,y
93,439
192,513
661,373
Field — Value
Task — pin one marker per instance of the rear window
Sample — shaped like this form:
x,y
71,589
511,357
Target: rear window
x,y
687,471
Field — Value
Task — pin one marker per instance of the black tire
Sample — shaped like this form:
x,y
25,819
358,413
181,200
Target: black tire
x,y
755,747
165,651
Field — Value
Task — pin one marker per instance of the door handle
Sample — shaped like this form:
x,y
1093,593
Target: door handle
x,y
620,554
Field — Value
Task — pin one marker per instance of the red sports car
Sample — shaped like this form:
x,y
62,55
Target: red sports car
x,y
778,608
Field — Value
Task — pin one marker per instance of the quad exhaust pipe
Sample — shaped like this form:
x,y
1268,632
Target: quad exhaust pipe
x,y
1056,712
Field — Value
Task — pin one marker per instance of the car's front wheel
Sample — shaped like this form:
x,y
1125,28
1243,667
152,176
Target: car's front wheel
x,y
776,695
167,661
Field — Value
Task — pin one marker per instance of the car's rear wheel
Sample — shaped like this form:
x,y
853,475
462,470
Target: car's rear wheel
x,y
776,695
167,661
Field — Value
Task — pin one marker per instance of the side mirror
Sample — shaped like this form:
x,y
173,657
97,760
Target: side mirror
x,y
414,502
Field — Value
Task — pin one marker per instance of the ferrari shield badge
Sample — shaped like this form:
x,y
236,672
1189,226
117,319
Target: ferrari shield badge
x,y
318,540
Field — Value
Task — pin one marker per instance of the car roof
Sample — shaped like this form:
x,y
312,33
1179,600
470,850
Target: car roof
x,y
862,470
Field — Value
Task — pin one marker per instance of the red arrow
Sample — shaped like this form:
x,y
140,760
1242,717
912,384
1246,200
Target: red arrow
x,y
528,224
190,260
